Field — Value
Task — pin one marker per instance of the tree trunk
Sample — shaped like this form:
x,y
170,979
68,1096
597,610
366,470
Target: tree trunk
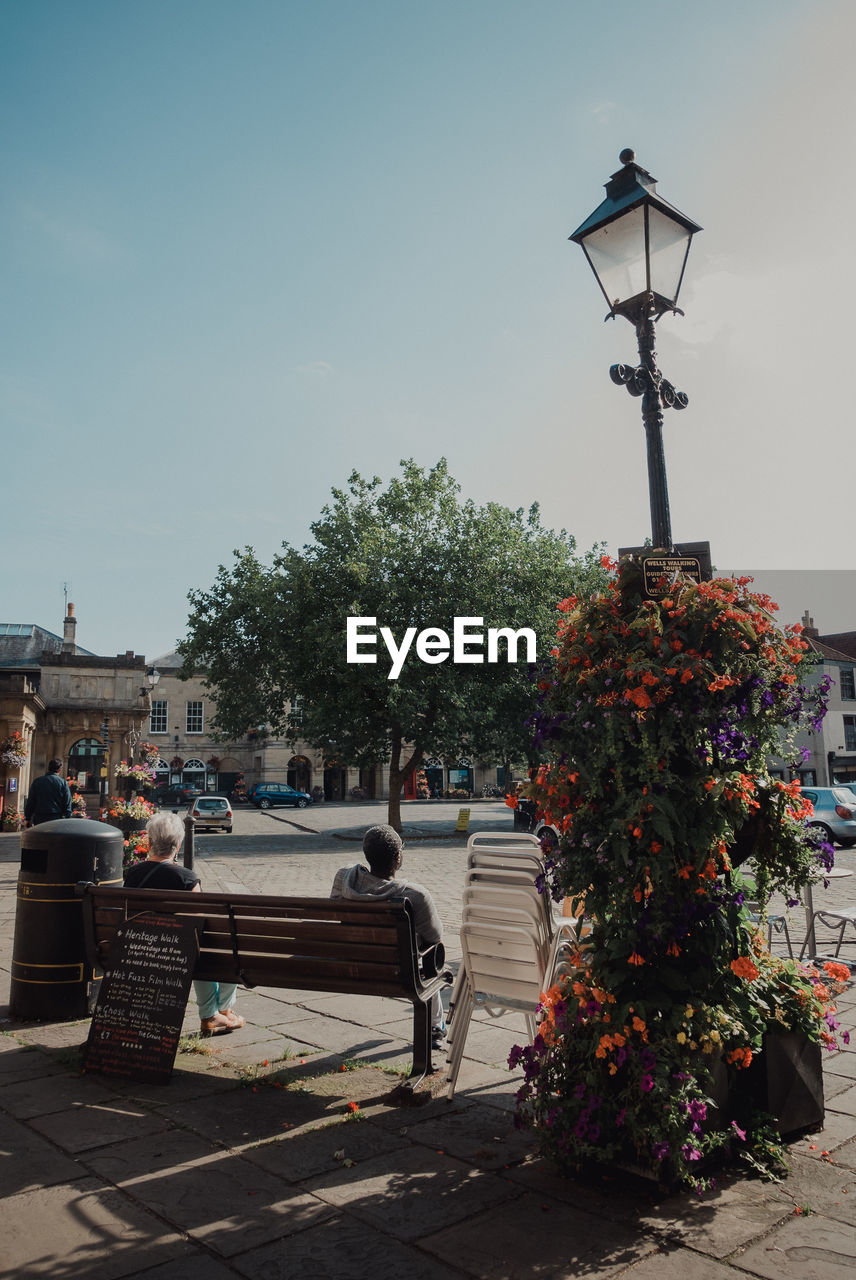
x,y
398,775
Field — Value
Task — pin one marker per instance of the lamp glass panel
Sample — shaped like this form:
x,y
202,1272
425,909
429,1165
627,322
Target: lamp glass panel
x,y
617,253
669,243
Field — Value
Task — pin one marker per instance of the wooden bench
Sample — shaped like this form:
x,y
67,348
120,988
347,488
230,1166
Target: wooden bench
x,y
304,944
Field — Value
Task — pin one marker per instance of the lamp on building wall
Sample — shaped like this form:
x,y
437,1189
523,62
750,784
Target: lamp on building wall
x,y
636,244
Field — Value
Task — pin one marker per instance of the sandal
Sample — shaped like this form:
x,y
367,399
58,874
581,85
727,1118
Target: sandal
x,y
217,1025
234,1019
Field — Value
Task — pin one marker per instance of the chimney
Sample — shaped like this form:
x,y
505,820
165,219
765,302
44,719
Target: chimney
x,y
69,626
808,627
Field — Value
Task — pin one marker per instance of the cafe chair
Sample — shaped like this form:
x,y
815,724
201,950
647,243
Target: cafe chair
x,y
833,918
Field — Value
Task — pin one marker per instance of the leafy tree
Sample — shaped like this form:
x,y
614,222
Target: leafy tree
x,y
412,555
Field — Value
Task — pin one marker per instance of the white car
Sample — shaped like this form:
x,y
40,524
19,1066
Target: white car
x,y
212,811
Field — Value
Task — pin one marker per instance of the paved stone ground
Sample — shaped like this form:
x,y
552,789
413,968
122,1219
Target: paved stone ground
x,y
250,1163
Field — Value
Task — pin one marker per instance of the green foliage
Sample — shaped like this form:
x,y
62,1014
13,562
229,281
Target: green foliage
x,y
410,555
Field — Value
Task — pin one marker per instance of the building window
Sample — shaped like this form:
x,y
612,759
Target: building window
x,y
157,724
848,684
194,717
850,733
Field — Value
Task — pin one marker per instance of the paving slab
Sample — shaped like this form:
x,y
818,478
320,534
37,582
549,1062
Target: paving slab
x,y
28,1161
418,1193
86,1127
300,1154
538,1237
804,1248
229,1204
56,1092
82,1232
341,1249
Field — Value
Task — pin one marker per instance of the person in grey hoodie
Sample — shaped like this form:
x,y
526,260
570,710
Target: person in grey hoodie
x,y
383,848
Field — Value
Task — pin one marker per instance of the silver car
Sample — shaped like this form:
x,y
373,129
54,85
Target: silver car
x,y
212,811
834,813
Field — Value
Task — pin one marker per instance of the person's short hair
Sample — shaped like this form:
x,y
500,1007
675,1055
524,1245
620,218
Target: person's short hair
x,y
54,766
165,832
382,846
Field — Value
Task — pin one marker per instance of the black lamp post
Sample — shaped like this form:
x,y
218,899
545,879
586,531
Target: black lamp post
x,y
637,246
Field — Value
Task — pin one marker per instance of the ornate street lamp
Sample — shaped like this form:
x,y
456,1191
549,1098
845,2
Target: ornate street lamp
x,y
637,244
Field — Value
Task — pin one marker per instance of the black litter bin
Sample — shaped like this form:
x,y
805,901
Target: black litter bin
x,y
524,815
50,980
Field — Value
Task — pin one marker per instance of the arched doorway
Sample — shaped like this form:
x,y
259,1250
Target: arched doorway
x,y
84,763
461,776
193,774
435,776
335,778
299,774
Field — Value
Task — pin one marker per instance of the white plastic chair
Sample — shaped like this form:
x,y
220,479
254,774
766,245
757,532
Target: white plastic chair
x,y
507,838
512,948
502,968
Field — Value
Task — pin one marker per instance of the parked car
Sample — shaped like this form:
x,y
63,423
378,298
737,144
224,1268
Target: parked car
x,y
212,811
525,820
834,813
268,795
166,796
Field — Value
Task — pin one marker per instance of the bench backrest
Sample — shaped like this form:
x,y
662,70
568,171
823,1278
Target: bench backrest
x,y
313,944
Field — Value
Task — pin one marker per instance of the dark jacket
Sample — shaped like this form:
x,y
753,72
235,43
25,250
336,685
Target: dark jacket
x,y
48,798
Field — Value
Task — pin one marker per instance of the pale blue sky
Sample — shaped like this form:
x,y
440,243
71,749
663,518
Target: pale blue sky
x,y
246,248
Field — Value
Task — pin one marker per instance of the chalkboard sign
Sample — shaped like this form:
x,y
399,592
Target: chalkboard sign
x,y
137,1021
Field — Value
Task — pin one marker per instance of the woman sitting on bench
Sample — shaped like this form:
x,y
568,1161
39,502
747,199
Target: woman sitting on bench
x,y
161,871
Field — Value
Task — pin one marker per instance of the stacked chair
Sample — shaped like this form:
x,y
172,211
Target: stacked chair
x,y
512,946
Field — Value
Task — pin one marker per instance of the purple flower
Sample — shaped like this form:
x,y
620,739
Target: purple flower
x,y
515,1056
660,1150
580,1092
741,1133
619,1119
647,1059
689,1152
698,1110
580,1128
646,1084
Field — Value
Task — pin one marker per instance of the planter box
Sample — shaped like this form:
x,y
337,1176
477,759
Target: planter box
x,y
787,1081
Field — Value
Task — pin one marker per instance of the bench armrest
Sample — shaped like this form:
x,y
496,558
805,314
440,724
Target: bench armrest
x,y
431,961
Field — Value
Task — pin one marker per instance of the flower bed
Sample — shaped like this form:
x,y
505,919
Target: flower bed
x,y
659,717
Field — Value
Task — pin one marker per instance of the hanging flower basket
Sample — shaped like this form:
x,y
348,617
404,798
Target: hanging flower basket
x,y
13,752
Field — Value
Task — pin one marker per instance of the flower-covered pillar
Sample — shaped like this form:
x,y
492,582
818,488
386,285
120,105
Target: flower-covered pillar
x,y
659,717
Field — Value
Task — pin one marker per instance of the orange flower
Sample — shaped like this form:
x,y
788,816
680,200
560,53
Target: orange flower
x,y
673,949
635,958
746,968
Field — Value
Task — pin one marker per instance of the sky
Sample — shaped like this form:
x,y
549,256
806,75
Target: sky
x,y
248,249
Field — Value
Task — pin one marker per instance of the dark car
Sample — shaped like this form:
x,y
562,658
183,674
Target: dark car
x,y
167,796
268,795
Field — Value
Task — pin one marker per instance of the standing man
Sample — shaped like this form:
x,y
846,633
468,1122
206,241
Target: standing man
x,y
49,797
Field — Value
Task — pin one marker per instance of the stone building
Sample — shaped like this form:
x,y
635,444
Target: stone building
x,y
832,750
87,710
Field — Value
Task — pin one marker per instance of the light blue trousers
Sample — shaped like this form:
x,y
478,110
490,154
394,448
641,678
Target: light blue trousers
x,y
214,997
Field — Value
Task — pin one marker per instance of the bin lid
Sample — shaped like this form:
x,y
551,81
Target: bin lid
x,y
80,828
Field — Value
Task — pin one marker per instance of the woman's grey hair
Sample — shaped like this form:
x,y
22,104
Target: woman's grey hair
x,y
165,832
